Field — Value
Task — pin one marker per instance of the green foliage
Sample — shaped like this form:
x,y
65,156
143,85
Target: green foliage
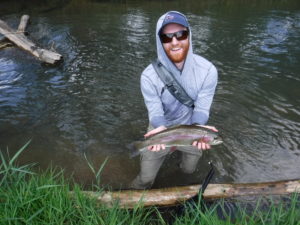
x,y
48,198
96,173
282,213
44,198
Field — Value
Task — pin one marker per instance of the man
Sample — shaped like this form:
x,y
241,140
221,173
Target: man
x,y
196,75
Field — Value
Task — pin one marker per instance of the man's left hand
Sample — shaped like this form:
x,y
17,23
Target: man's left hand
x,y
200,144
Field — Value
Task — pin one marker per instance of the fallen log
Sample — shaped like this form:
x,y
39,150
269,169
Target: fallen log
x,y
21,29
19,39
23,24
6,44
177,195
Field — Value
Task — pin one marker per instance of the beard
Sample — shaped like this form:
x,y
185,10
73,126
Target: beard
x,y
177,56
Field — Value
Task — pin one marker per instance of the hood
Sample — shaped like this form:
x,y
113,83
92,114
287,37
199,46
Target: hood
x,y
162,56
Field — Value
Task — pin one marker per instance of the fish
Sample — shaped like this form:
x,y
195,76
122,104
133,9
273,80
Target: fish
x,y
180,135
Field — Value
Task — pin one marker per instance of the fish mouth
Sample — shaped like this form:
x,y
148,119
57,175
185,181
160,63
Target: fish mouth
x,y
217,141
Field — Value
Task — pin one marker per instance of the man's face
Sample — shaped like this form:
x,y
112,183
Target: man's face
x,y
176,50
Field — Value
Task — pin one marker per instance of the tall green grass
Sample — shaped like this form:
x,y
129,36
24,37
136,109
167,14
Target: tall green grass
x,y
44,198
286,212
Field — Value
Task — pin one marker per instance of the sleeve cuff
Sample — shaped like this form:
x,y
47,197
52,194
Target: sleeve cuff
x,y
158,121
199,118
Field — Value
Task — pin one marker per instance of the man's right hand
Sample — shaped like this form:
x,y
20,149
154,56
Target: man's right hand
x,y
156,148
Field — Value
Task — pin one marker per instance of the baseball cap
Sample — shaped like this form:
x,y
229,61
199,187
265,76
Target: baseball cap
x,y
175,17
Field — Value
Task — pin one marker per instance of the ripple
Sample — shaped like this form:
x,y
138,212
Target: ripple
x,y
93,104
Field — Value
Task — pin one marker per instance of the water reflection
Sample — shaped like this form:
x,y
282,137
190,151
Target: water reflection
x,y
92,103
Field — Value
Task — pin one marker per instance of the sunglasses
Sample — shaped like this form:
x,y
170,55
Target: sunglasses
x,y
180,35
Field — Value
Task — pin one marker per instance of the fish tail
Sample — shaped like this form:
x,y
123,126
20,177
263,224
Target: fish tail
x,y
134,154
134,149
132,146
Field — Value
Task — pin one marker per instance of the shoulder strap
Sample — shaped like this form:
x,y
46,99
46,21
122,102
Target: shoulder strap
x,y
172,84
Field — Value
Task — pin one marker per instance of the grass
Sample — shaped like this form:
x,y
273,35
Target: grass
x,y
27,197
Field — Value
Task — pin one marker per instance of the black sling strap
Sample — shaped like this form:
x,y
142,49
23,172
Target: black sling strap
x,y
172,84
198,198
207,179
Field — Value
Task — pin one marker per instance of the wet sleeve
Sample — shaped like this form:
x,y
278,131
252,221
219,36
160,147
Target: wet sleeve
x,y
153,103
205,97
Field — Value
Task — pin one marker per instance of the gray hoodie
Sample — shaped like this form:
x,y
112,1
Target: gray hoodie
x,y
199,79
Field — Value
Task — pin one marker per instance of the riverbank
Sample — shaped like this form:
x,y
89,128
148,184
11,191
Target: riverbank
x,y
44,198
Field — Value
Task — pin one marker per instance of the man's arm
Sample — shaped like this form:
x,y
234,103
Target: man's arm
x,y
205,97
155,110
203,104
153,102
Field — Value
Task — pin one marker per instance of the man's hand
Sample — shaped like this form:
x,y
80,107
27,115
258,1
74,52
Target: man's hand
x,y
200,144
156,148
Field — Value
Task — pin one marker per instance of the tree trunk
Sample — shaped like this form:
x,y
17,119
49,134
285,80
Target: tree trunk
x,y
21,29
23,24
18,38
176,195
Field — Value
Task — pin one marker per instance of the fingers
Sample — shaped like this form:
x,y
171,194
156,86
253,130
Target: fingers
x,y
209,127
154,131
156,148
212,128
201,145
150,133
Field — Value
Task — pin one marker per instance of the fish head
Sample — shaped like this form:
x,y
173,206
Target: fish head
x,y
212,139
216,141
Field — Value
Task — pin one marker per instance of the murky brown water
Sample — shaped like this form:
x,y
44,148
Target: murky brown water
x,y
91,104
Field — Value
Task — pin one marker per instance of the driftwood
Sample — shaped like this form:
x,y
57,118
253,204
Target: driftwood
x,y
19,39
21,29
23,24
5,44
177,195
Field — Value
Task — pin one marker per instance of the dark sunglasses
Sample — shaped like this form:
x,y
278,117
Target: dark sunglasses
x,y
180,35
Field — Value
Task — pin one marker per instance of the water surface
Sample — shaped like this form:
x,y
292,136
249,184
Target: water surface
x,y
91,104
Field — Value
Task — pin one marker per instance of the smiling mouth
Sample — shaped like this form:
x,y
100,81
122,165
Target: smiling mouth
x,y
175,49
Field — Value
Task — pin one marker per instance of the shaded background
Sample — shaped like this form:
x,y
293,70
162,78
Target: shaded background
x,y
91,104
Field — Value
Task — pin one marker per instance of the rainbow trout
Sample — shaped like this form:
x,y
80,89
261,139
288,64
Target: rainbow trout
x,y
182,135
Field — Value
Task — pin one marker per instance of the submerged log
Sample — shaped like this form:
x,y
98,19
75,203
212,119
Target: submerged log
x,y
19,39
6,44
177,195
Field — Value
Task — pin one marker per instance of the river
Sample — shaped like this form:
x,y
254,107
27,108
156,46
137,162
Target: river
x,y
91,104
